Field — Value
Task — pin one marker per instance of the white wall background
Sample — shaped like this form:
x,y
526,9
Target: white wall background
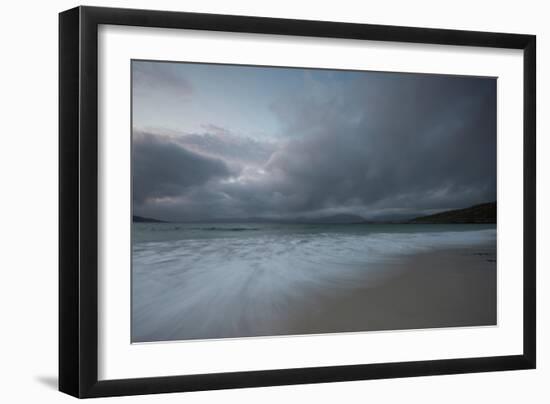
x,y
28,201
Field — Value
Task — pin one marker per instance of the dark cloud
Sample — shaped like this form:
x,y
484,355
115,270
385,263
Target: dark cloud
x,y
379,145
231,148
162,168
421,142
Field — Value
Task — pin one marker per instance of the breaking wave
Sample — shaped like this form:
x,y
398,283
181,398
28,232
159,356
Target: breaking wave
x,y
228,286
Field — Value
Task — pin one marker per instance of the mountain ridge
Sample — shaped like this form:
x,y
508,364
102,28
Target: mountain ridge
x,y
141,219
483,213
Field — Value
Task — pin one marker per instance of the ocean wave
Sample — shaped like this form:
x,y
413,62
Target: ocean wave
x,y
191,288
214,228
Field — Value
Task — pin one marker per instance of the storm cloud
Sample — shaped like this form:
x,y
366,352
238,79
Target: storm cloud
x,y
381,145
163,169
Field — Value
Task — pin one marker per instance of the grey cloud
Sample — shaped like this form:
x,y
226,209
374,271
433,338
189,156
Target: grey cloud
x,y
223,144
215,129
162,168
380,145
421,142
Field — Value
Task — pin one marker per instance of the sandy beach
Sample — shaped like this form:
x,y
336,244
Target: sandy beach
x,y
282,288
447,288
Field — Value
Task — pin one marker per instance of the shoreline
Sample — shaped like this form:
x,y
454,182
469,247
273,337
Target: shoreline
x,y
446,287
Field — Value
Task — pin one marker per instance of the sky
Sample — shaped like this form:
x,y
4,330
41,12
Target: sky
x,y
227,142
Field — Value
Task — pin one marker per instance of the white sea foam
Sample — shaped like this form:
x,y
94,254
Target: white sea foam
x,y
235,286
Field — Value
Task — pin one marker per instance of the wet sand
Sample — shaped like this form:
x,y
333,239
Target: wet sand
x,y
446,288
440,288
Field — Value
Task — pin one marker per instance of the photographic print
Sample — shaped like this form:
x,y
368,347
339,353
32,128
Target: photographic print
x,y
273,201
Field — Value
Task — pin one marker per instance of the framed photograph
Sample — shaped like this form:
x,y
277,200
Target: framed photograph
x,y
251,201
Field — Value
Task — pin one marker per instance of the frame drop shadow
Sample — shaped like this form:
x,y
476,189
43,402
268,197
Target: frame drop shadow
x,y
51,382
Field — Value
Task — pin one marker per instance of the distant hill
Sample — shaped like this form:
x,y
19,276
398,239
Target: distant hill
x,y
483,213
140,219
342,218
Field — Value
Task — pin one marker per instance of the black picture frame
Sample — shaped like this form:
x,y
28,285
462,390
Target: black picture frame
x,y
78,201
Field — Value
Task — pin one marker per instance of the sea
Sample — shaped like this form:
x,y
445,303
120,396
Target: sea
x,y
223,280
